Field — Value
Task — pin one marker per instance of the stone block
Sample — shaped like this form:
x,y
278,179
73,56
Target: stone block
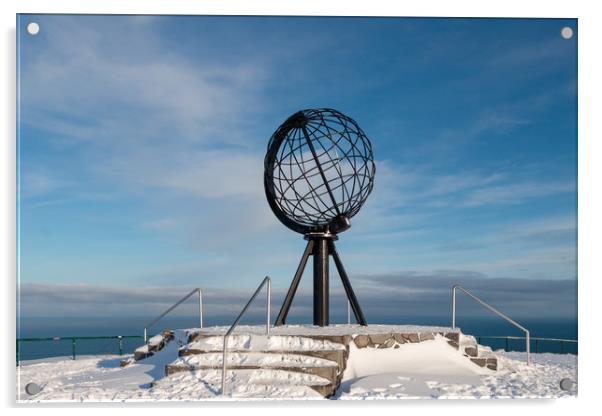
x,y
327,390
479,361
378,339
361,341
388,343
454,344
399,338
142,355
411,337
471,351
339,339
426,336
453,336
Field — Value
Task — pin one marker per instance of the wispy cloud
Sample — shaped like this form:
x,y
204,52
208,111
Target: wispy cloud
x,y
516,193
409,294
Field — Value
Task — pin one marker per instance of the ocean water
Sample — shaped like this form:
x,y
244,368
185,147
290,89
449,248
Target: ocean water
x,y
64,328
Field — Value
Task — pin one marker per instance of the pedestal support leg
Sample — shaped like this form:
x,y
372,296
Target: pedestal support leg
x,y
355,306
288,300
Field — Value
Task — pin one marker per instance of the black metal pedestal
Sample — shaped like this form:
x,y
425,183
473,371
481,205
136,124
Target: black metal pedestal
x,y
320,246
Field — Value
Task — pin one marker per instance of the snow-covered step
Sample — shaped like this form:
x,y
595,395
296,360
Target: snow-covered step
x,y
153,345
254,361
265,383
258,359
320,374
303,346
480,355
314,356
202,342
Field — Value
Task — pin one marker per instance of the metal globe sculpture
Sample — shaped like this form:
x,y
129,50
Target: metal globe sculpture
x,y
319,171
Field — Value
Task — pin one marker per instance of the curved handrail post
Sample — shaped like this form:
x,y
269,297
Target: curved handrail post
x,y
175,305
267,280
494,310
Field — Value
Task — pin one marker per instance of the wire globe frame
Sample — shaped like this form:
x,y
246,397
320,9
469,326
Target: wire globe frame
x,y
319,171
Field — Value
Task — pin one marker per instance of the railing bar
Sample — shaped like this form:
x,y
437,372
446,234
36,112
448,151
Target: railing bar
x,y
494,310
532,338
238,318
175,305
491,308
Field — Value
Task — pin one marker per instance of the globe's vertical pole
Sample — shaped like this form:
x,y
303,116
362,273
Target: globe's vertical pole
x,y
321,312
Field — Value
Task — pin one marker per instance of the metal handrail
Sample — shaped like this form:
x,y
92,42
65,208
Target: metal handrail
x,y
492,309
73,340
175,305
532,338
267,280
562,341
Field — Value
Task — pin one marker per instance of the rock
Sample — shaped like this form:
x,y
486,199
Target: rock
x,y
388,343
412,337
396,346
492,363
471,351
123,363
454,344
378,339
168,336
426,336
339,339
361,341
399,338
142,355
479,361
453,336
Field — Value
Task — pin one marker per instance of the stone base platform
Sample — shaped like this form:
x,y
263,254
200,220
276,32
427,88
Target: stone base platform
x,y
319,353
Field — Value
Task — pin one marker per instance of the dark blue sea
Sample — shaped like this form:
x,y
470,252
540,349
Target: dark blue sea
x,y
65,328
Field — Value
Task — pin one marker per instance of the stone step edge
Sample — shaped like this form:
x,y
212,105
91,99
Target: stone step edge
x,y
337,356
326,390
337,339
175,368
192,351
488,362
329,374
382,340
140,354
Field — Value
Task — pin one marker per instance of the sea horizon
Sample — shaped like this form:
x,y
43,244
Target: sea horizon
x,y
66,327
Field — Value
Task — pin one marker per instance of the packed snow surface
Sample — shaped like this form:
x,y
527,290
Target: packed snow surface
x,y
156,340
263,342
426,370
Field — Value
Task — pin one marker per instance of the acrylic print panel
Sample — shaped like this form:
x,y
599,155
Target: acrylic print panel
x,y
370,167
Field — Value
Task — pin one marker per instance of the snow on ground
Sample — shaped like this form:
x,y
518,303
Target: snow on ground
x,y
439,374
515,379
430,369
100,379
156,340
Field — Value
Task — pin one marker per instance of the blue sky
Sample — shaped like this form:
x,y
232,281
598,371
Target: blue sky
x,y
142,141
